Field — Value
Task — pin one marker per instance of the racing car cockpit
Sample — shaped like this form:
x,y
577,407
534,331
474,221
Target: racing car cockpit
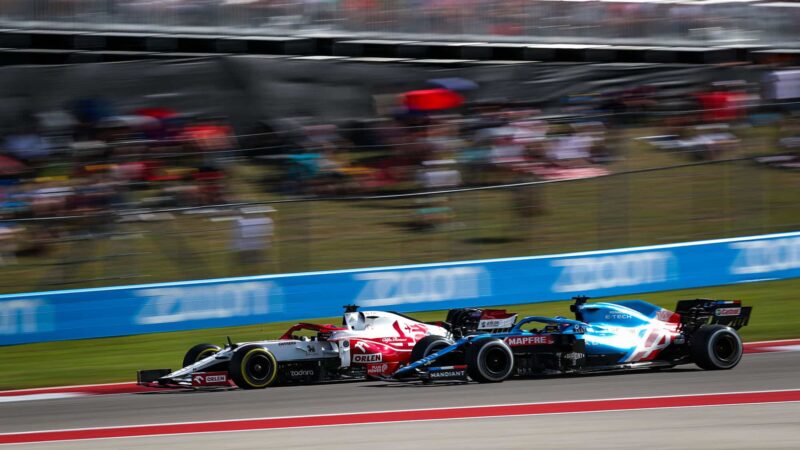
x,y
322,332
354,319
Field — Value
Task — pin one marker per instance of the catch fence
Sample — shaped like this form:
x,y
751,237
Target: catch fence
x,y
687,202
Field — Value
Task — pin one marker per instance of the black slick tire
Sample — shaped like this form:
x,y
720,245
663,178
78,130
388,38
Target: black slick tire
x,y
716,347
253,367
428,346
489,361
198,352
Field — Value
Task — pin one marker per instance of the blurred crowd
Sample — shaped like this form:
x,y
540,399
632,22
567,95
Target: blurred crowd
x,y
93,159
88,161
424,141
485,144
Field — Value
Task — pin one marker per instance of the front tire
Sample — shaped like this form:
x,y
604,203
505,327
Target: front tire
x,y
428,346
253,367
489,361
198,352
716,347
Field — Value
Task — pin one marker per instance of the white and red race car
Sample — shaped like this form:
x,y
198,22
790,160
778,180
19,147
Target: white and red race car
x,y
369,344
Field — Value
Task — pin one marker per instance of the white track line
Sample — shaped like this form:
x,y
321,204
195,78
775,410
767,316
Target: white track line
x,y
51,396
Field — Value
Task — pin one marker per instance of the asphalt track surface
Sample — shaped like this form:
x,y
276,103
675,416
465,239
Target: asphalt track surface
x,y
769,425
772,426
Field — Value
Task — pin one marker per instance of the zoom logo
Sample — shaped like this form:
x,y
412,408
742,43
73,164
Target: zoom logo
x,y
25,317
586,274
418,286
766,256
220,301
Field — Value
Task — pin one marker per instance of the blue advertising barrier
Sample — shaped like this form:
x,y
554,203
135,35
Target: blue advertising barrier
x,y
125,310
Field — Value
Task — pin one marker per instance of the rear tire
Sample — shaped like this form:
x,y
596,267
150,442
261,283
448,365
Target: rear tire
x,y
489,361
716,347
253,367
198,352
428,346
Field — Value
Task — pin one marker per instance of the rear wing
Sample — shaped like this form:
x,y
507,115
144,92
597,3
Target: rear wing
x,y
703,311
466,321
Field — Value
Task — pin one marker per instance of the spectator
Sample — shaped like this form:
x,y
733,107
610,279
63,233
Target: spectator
x,y
9,235
435,211
252,236
570,149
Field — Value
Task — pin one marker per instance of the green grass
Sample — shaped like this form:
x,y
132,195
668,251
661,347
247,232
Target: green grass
x,y
776,315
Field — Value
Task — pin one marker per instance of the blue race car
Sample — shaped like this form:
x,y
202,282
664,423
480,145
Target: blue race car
x,y
606,336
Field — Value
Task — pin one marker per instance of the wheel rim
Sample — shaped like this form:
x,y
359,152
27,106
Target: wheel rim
x,y
205,354
496,361
726,348
259,368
